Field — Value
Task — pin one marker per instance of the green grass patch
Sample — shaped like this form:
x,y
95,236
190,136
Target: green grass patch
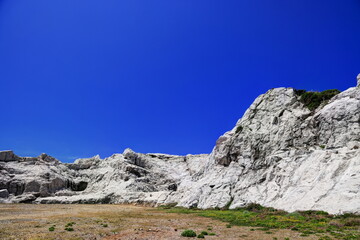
x,y
264,219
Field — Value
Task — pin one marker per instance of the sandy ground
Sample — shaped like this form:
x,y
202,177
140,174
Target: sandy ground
x,y
29,221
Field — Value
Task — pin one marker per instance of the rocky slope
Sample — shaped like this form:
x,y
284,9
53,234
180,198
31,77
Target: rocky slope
x,y
280,154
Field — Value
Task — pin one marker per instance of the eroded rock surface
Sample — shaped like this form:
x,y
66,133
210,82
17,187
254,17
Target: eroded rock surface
x,y
279,154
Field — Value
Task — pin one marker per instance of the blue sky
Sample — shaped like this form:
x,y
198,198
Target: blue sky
x,y
87,77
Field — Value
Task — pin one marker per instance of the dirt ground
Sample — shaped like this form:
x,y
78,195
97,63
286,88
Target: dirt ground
x,y
111,222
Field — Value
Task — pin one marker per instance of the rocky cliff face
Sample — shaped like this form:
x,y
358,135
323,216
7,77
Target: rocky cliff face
x,y
279,154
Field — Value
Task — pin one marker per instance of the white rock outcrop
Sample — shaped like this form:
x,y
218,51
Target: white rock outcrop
x,y
279,154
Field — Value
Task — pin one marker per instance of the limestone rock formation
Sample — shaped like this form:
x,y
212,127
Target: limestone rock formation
x,y
280,154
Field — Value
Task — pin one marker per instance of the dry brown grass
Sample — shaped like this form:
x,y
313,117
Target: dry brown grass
x,y
27,221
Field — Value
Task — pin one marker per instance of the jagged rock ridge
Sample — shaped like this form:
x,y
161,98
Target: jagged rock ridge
x,y
279,154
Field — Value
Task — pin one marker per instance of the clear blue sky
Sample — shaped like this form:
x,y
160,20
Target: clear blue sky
x,y
86,77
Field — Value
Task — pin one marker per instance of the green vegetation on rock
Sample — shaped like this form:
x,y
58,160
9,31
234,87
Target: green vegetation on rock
x,y
312,100
239,129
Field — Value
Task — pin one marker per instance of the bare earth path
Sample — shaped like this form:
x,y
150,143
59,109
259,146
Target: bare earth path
x,y
27,221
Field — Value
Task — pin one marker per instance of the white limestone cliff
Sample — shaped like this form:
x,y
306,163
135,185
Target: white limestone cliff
x,y
279,154
283,156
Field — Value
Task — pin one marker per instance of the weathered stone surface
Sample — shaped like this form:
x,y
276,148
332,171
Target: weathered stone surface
x,y
4,193
7,156
279,154
32,186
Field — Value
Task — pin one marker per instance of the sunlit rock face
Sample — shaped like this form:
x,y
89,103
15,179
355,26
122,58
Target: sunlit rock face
x,y
283,155
279,154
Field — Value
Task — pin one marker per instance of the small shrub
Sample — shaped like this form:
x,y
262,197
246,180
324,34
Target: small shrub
x,y
239,129
70,224
52,228
104,225
254,207
188,233
210,228
200,236
212,234
312,100
299,92
70,229
322,146
204,233
228,225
